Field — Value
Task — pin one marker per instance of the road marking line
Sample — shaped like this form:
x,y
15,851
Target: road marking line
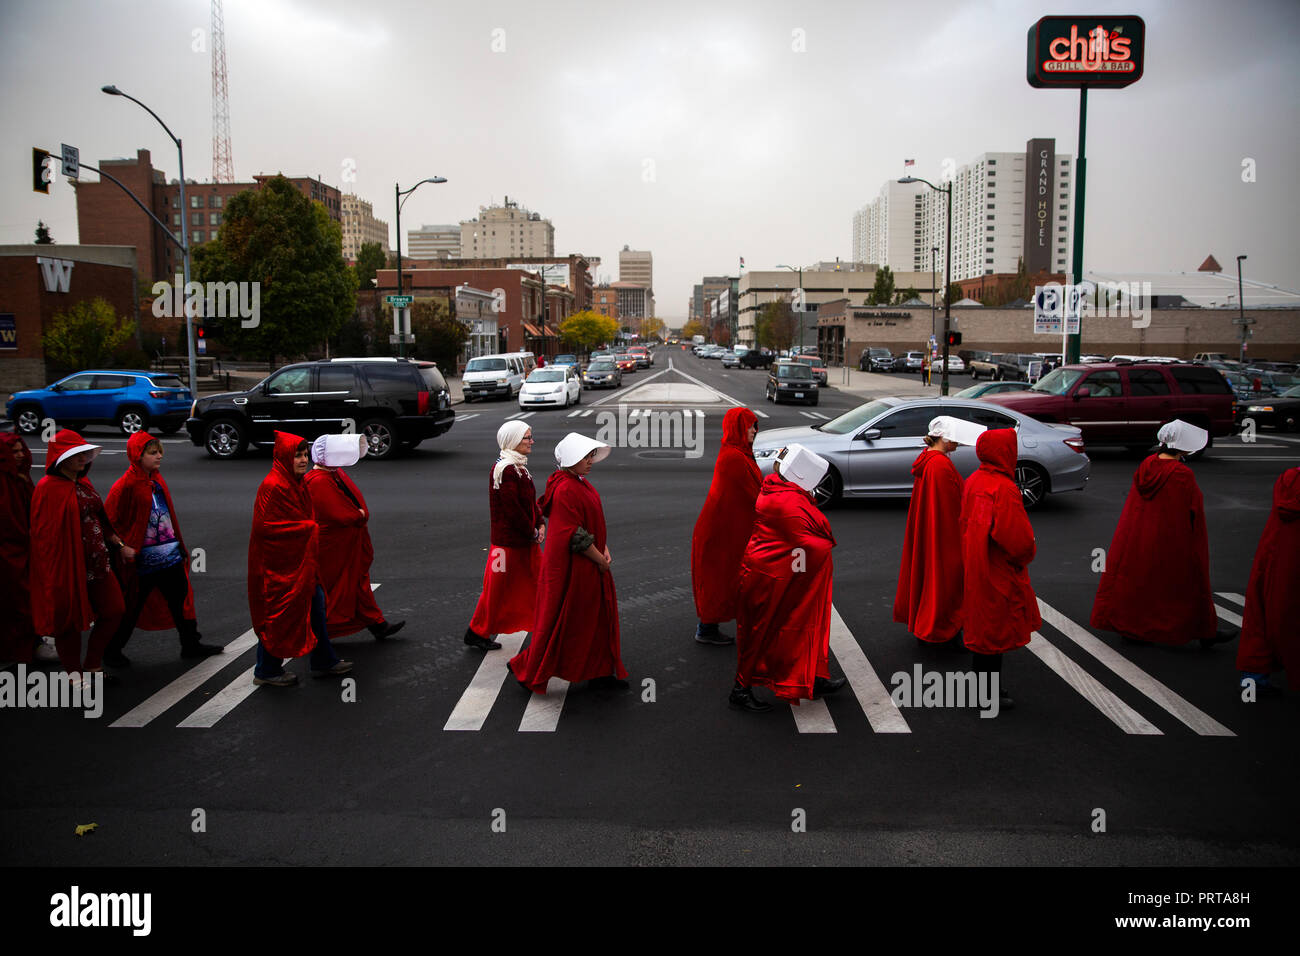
x,y
223,701
1234,598
1227,615
813,717
824,418
515,415
475,704
627,388
1121,714
543,711
588,412
465,418
1191,716
574,414
172,694
808,415
881,711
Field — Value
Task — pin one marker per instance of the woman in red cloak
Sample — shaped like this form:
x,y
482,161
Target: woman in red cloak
x,y
17,637
575,630
72,577
156,585
999,608
346,552
724,526
509,596
928,599
1270,627
285,599
1156,586
783,628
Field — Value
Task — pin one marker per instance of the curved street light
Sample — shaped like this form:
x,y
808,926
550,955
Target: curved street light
x,y
399,197
947,273
802,299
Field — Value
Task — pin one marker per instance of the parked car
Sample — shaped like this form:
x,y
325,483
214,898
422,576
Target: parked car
x,y
499,375
730,360
1281,412
872,447
1247,387
1122,404
394,403
876,360
128,398
792,381
955,364
568,358
756,358
911,362
553,385
991,388
602,374
817,365
985,365
1018,367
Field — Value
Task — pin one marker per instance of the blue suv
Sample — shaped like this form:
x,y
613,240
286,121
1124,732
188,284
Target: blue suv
x,y
130,399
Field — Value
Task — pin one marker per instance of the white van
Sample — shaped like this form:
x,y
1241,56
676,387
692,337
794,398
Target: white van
x,y
502,374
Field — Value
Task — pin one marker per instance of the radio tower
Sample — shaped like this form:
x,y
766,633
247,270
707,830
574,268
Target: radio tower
x,y
223,167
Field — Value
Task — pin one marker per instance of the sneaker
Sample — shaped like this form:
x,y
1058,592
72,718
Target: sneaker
x,y
116,659
340,668
283,679
189,651
713,636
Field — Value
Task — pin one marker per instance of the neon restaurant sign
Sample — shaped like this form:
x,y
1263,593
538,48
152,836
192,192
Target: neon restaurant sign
x,y
1086,51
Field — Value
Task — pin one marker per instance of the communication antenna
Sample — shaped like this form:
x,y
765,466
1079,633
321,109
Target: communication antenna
x,y
223,166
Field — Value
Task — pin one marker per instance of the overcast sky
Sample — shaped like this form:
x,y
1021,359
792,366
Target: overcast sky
x,y
701,131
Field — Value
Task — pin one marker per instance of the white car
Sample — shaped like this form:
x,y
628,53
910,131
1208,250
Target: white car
x,y
955,364
552,385
730,360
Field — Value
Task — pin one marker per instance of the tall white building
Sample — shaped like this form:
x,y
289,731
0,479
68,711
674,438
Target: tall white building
x,y
506,231
360,226
885,229
434,242
636,265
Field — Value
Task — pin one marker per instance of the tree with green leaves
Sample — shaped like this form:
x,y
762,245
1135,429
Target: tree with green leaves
x,y
883,292
43,237
438,337
693,328
776,326
370,259
86,335
586,329
954,293
287,244
906,295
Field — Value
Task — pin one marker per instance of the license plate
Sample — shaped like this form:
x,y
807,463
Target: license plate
x,y
798,394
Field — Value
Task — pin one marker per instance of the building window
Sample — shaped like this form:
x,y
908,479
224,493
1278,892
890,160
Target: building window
x,y
992,162
990,218
1061,218
176,219
196,219
196,202
214,219
196,237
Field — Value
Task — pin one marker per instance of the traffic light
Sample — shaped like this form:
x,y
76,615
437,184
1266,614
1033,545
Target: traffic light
x,y
954,338
42,171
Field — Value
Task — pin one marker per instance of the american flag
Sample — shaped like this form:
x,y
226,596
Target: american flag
x,y
909,162
742,262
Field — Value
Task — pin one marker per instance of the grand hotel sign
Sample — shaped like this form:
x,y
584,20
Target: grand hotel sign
x,y
1086,51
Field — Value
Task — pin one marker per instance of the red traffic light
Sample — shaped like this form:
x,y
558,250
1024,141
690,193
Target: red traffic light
x,y
954,338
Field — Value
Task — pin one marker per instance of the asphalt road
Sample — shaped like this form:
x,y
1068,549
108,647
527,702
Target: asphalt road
x,y
1153,742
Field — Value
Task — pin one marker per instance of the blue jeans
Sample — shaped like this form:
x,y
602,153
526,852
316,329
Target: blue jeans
x,y
322,655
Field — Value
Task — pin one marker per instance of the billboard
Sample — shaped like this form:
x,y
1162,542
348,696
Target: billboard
x,y
1086,51
1040,175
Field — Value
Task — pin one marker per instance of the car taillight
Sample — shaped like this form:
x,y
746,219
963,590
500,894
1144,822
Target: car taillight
x,y
1076,444
422,405
157,394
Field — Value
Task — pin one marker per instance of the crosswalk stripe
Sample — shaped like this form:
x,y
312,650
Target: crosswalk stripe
x,y
543,711
589,411
808,415
813,717
1121,714
1233,597
760,413
574,414
465,418
1192,717
475,704
515,415
881,711
1227,615
824,418
223,702
181,687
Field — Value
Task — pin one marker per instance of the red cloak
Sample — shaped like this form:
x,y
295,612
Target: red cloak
x,y
129,504
17,637
283,557
346,552
60,599
575,629
509,598
1156,586
1270,626
929,595
783,628
726,521
999,609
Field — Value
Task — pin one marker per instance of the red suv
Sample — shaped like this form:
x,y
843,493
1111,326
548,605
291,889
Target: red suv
x,y
1122,403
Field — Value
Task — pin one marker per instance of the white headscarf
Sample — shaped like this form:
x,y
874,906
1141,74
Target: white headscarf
x,y
574,447
338,451
509,436
955,430
802,467
1182,436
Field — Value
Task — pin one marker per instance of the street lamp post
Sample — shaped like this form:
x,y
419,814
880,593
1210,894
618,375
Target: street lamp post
x,y
934,251
1241,313
947,273
399,197
112,90
803,298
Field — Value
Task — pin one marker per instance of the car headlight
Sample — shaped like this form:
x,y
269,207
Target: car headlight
x,y
501,381
193,405
1260,408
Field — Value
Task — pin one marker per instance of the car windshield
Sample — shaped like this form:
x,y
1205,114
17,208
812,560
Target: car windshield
x,y
1057,382
486,365
601,367
800,371
546,375
1292,392
851,421
565,359
168,381
975,391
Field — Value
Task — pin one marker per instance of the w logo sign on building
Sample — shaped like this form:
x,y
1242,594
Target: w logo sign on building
x,y
56,272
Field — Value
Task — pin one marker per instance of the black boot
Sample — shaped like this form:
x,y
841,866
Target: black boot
x,y
480,642
823,686
742,698
190,646
385,629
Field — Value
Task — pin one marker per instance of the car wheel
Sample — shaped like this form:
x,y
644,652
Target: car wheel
x,y
469,399
380,438
1289,423
27,419
225,438
1033,484
827,493
131,420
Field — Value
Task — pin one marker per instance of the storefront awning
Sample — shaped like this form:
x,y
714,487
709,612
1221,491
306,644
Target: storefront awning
x,y
532,330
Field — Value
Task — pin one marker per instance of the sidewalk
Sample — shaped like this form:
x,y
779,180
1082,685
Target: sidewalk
x,y
875,384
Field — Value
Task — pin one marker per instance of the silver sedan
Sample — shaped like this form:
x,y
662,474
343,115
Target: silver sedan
x,y
872,447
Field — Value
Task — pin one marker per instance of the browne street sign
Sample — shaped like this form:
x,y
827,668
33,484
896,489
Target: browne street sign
x,y
399,301
1086,51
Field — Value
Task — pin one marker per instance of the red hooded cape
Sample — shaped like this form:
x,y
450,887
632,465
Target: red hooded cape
x,y
129,504
999,609
575,630
1156,586
783,630
60,601
345,552
929,595
1270,627
17,637
283,557
726,521
509,597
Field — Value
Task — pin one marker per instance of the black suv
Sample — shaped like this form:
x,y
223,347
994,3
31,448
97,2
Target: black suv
x,y
876,360
793,381
395,403
1015,367
756,358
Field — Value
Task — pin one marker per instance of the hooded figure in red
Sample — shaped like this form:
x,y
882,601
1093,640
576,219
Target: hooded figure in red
x,y
283,557
17,638
929,595
1270,627
784,625
722,531
1156,586
130,505
575,630
999,609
